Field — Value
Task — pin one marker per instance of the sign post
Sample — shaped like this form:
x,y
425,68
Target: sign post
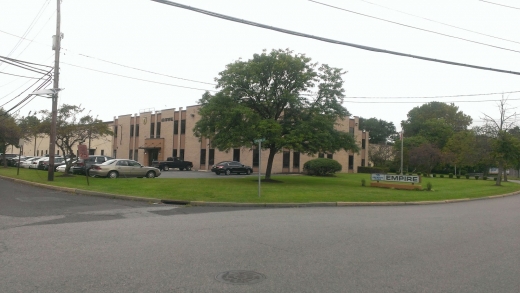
x,y
259,141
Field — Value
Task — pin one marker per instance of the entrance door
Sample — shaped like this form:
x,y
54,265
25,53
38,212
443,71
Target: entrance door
x,y
152,156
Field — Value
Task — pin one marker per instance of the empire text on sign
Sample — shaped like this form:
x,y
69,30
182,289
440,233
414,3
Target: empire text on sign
x,y
396,178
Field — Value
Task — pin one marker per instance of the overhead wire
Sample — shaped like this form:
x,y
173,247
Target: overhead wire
x,y
135,78
434,97
413,27
332,41
48,77
18,75
500,4
438,22
394,102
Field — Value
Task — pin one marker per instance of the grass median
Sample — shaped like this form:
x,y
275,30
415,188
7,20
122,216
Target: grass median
x,y
286,189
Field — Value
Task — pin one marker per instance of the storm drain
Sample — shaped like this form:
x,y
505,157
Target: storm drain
x,y
240,277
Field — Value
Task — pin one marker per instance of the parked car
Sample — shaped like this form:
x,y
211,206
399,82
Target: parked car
x,y
123,168
172,163
44,164
34,163
13,162
83,165
25,164
7,157
228,167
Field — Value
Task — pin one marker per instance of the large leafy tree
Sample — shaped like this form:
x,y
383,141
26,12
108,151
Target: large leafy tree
x,y
9,133
462,148
380,130
73,127
279,96
32,128
448,114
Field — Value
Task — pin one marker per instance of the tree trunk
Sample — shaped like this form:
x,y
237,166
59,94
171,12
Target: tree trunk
x,y
272,153
34,149
499,178
505,174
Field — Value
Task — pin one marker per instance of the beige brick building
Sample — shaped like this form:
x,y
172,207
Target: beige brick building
x,y
157,135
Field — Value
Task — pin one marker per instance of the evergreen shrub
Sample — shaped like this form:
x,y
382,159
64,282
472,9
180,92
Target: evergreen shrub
x,y
322,167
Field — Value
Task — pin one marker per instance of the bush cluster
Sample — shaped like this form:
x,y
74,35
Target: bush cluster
x,y
322,167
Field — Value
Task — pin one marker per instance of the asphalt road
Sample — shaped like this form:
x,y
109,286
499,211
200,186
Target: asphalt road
x,y
57,242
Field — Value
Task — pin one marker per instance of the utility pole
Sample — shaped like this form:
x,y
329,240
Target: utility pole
x,y
57,46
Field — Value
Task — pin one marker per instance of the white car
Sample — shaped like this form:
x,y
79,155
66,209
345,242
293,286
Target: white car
x,y
27,163
34,163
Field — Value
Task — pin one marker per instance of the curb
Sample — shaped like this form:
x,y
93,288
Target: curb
x,y
245,204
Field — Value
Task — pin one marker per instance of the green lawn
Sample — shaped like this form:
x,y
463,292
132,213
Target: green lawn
x,y
289,188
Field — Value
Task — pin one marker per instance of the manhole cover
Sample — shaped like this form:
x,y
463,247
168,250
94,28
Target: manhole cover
x,y
240,277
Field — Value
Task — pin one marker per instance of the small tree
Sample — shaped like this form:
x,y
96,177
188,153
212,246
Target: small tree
x,y
9,133
73,129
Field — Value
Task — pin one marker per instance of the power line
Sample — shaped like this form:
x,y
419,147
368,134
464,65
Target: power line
x,y
500,4
134,78
114,63
413,27
438,22
393,102
143,70
435,97
229,18
49,77
19,75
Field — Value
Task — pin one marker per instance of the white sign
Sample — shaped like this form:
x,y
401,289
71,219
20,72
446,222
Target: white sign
x,y
396,178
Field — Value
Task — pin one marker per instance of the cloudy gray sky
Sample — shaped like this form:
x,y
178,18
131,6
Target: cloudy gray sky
x,y
124,56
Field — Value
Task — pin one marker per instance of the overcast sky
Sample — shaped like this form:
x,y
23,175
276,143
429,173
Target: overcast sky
x,y
164,42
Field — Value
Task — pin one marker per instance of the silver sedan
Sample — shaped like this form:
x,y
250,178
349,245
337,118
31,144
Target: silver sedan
x,y
123,168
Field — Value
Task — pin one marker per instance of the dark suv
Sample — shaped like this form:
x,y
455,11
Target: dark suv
x,y
228,167
83,165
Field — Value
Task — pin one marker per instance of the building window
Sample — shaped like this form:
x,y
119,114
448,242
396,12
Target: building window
x,y
321,155
115,131
236,155
351,162
58,153
158,133
130,154
256,157
211,158
363,143
91,152
174,154
176,127
137,130
183,126
362,162
46,152
351,130
296,160
286,159
102,152
203,157
131,130
329,156
152,128
115,154
181,155
136,153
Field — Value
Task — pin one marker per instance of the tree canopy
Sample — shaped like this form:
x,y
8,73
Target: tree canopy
x,y
279,96
72,127
380,131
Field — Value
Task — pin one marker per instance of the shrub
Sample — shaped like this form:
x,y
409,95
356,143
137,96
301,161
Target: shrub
x,y
363,182
484,177
451,175
458,176
410,174
495,178
467,176
442,175
434,175
476,177
429,186
322,167
463,172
